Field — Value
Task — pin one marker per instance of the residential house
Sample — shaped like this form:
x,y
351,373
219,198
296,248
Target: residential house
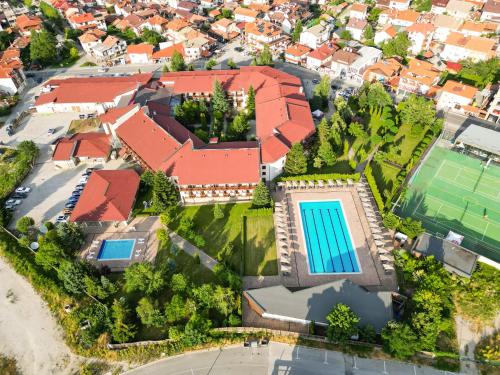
x,y
164,55
439,6
387,33
245,15
444,25
140,53
156,23
111,51
493,111
198,47
382,71
108,196
132,22
316,35
187,6
358,11
399,4
417,78
341,61
93,148
455,96
460,9
12,80
250,2
367,57
265,33
356,28
420,36
470,28
90,39
175,30
321,56
491,11
27,24
86,21
459,47
224,29
297,54
403,18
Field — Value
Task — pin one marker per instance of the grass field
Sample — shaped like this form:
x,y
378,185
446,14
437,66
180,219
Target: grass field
x,y
217,233
260,247
453,191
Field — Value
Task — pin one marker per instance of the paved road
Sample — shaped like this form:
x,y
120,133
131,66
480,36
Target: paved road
x,y
277,359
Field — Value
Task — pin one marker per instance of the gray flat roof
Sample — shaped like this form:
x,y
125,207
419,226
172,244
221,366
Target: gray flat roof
x,y
454,257
315,303
482,138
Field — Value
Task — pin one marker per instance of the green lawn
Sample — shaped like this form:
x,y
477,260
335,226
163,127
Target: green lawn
x,y
385,175
217,233
260,247
145,195
408,143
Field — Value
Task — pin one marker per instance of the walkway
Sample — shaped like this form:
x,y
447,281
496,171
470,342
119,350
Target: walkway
x,y
192,250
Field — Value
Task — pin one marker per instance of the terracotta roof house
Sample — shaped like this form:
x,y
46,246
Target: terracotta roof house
x,y
245,15
93,94
108,196
459,47
164,55
439,6
321,56
27,24
491,11
296,54
418,78
140,53
82,147
224,29
382,71
455,95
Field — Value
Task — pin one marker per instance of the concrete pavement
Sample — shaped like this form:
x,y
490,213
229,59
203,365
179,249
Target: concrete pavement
x,y
277,359
192,250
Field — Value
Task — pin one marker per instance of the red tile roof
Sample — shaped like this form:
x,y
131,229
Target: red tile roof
x,y
87,145
91,90
142,48
108,196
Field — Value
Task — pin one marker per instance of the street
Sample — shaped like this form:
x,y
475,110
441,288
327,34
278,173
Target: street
x,y
277,359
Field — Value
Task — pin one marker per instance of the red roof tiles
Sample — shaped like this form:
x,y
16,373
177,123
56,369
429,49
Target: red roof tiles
x,y
108,196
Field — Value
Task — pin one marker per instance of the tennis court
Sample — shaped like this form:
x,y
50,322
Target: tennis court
x,y
453,191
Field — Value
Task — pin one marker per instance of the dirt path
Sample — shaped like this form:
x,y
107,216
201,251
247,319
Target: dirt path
x,y
28,332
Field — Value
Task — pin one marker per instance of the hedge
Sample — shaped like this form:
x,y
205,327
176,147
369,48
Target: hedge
x,y
374,188
325,177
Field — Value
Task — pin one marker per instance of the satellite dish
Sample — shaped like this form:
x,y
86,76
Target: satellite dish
x,y
34,246
43,229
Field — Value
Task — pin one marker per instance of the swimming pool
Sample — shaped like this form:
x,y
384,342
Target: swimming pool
x,y
330,248
116,250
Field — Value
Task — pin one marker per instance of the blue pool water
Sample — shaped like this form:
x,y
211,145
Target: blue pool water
x,y
116,249
328,240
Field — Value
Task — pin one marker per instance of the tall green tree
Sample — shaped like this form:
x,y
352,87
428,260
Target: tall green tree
x,y
264,57
342,323
251,102
399,340
373,95
177,63
71,274
240,126
143,277
297,31
261,197
397,46
422,5
149,314
219,101
165,193
368,33
151,37
296,161
122,330
70,236
24,224
43,47
418,112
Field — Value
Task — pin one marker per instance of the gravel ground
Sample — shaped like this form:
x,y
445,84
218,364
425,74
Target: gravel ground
x,y
28,332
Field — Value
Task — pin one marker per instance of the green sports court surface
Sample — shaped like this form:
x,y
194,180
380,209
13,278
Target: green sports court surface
x,y
453,191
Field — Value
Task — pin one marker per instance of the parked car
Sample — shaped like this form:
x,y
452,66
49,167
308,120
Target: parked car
x,y
76,193
102,70
81,117
91,115
23,190
315,81
62,219
73,199
83,180
67,211
80,187
69,205
51,131
14,202
9,130
18,196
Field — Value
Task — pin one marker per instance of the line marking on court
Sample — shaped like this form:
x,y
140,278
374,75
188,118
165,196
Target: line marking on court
x,y
485,229
439,209
419,203
465,187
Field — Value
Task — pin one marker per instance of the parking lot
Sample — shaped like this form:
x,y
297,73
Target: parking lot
x,y
50,186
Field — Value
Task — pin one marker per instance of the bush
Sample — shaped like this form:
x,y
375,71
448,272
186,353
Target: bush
x,y
325,177
391,220
412,228
488,348
374,188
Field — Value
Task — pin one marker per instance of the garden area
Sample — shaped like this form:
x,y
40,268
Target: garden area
x,y
260,247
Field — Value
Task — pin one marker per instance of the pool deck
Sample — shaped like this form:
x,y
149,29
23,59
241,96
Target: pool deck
x,y
140,228
372,275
